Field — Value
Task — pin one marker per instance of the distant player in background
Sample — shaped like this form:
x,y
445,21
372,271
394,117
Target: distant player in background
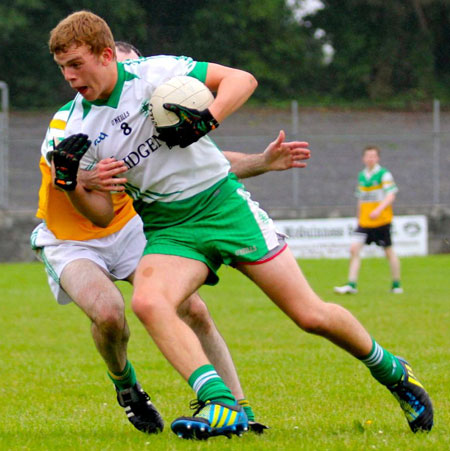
x,y
83,260
376,194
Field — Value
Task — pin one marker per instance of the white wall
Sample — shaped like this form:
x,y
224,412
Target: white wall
x,y
331,238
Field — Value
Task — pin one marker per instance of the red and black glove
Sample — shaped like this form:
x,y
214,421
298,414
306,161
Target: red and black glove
x,y
192,126
66,157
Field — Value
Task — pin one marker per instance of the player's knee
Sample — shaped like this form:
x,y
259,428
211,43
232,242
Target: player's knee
x,y
139,305
312,323
110,317
197,315
314,320
354,251
147,308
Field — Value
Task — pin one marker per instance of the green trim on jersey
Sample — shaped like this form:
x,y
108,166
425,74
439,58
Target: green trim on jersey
x,y
165,214
113,100
374,187
135,193
199,71
373,180
86,107
72,106
67,106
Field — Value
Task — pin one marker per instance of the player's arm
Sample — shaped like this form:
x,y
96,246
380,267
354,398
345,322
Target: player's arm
x,y
388,200
233,87
390,190
278,156
95,205
104,176
65,159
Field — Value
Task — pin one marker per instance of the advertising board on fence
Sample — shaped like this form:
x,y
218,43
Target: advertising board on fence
x,y
331,237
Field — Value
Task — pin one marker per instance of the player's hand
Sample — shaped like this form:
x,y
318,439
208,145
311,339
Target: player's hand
x,y
280,155
374,214
66,159
104,176
192,126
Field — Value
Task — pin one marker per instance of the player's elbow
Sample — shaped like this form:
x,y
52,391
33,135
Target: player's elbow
x,y
101,224
102,221
252,81
246,79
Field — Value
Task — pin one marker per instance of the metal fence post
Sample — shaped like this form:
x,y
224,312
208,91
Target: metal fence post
x,y
436,152
294,174
4,150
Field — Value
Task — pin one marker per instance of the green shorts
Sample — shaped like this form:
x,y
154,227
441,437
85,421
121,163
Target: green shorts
x,y
221,225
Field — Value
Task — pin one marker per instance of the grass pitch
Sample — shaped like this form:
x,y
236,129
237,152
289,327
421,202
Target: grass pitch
x,y
55,393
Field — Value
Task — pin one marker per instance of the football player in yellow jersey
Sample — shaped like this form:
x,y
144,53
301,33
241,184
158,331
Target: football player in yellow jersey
x,y
376,195
82,261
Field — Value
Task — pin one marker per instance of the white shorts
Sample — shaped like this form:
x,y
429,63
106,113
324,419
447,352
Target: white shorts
x,y
118,254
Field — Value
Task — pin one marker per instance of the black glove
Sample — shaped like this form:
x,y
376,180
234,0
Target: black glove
x,y
67,156
192,126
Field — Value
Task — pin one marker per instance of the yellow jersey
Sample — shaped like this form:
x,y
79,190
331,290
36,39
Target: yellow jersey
x,y
55,208
372,189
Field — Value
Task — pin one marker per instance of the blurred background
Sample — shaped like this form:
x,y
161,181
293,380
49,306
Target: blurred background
x,y
340,75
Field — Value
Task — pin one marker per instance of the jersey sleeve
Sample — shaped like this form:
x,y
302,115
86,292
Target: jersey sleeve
x,y
388,183
56,130
199,71
73,126
358,192
159,69
88,161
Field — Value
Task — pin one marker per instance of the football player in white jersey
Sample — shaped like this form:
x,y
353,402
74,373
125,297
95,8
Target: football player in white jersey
x,y
73,249
196,217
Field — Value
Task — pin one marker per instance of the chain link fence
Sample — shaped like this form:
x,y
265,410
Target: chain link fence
x,y
4,144
415,146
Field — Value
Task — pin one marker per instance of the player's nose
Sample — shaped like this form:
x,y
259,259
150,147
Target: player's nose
x,y
69,75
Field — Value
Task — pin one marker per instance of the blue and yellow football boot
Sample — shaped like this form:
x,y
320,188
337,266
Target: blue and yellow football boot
x,y
211,419
413,399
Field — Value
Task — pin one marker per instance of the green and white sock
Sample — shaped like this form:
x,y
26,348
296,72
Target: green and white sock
x,y
396,284
352,284
209,386
383,365
124,379
247,408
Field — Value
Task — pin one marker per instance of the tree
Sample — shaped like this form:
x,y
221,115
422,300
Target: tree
x,y
26,64
260,36
385,48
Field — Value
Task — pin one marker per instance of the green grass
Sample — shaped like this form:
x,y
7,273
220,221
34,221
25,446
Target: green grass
x,y
54,392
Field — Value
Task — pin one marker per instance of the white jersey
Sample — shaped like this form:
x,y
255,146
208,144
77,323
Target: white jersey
x,y
121,127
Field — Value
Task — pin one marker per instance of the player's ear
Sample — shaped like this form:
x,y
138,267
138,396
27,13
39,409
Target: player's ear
x,y
107,56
